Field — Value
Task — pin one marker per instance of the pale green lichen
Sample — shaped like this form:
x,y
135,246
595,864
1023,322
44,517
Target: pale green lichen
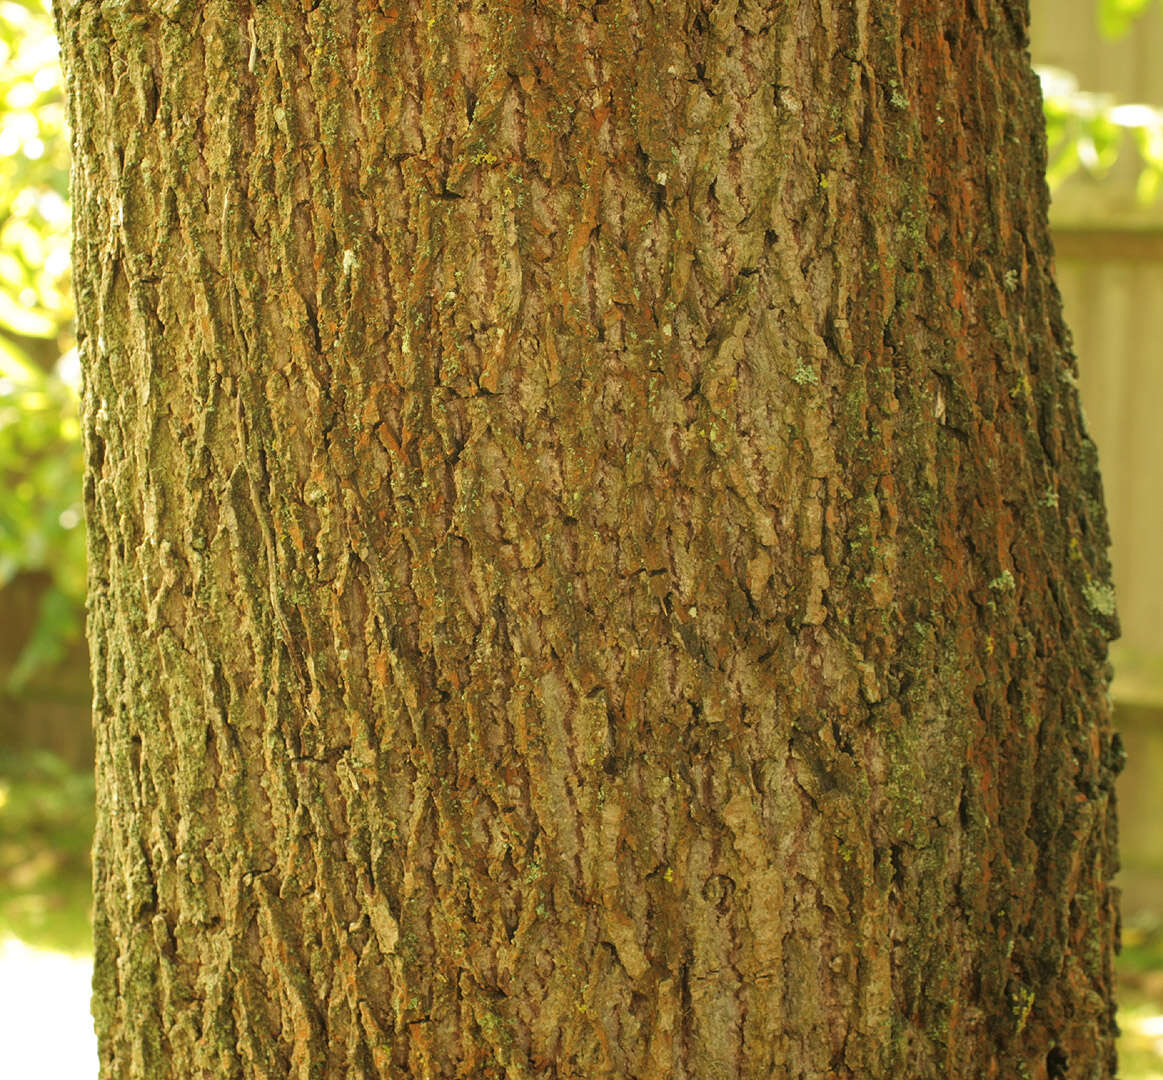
x,y
805,374
1021,388
1004,582
1100,598
1021,1003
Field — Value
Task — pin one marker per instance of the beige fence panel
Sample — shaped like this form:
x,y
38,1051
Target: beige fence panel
x,y
1110,271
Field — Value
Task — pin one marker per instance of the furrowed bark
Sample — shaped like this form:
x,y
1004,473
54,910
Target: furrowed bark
x,y
596,565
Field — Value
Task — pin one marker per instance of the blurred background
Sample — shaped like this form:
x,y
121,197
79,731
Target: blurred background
x,y
1103,86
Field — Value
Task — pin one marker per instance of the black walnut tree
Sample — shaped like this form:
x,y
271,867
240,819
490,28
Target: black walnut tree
x,y
596,565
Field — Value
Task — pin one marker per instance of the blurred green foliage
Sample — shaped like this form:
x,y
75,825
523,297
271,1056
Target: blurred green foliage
x,y
46,826
1115,17
34,177
1087,131
40,460
1141,1000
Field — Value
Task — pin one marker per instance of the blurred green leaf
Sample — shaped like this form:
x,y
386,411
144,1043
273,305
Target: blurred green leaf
x,y
40,459
1088,132
1116,16
46,825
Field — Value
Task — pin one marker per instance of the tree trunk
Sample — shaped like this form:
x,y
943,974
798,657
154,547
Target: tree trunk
x,y
596,565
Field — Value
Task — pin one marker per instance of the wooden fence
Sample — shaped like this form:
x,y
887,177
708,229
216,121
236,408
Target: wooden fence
x,y
1110,271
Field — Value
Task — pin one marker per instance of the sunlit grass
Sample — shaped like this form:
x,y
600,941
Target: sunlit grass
x,y
1141,1000
1141,1045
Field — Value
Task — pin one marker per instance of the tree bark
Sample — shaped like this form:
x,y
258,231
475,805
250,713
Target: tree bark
x,y
597,569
